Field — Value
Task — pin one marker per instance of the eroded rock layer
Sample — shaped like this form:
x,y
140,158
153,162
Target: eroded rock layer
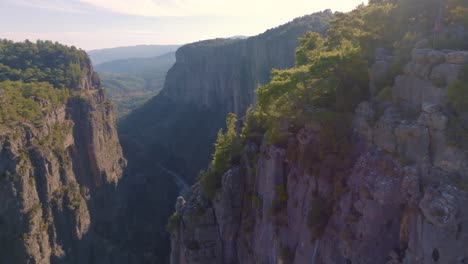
x,y
395,195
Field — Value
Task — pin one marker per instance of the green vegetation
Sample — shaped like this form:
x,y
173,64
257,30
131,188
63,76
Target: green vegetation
x,y
26,101
457,98
54,141
131,82
9,176
227,152
173,222
71,195
457,95
74,199
330,78
43,61
457,10
331,72
385,95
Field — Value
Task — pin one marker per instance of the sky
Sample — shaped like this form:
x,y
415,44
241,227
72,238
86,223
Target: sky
x,y
96,24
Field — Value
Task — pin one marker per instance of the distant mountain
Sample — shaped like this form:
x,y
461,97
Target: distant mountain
x,y
131,82
137,65
141,51
239,37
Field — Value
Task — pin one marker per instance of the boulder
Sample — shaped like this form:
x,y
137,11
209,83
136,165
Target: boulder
x,y
384,136
412,142
435,57
420,55
422,44
421,70
432,117
414,91
445,73
382,54
180,204
457,57
444,156
362,124
440,207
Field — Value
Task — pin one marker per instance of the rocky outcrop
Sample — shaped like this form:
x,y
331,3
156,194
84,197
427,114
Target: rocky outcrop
x,y
426,76
396,196
56,178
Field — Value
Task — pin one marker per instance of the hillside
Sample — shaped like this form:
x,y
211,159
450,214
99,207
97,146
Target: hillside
x,y
59,156
142,51
357,154
129,83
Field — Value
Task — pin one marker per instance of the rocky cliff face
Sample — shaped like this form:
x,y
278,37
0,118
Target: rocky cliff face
x,y
226,72
209,79
56,178
395,195
176,129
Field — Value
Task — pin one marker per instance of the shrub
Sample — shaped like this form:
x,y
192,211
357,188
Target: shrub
x,y
227,150
457,95
174,222
24,101
13,177
385,95
253,128
402,51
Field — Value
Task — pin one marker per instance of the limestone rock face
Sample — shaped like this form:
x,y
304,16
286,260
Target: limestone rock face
x,y
53,180
426,77
379,71
226,72
396,197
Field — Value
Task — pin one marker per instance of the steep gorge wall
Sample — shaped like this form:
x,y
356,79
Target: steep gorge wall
x,y
225,72
396,196
174,131
56,180
209,79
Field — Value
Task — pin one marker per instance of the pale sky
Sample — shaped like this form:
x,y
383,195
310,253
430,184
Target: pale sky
x,y
92,24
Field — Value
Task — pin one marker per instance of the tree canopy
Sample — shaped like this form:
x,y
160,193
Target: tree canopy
x,y
43,61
